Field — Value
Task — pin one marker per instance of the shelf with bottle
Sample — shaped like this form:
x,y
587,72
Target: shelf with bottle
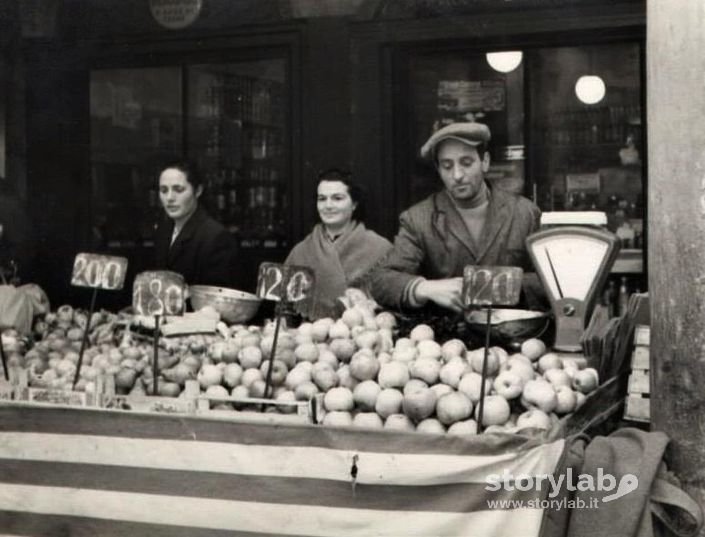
x,y
254,101
617,290
589,125
254,210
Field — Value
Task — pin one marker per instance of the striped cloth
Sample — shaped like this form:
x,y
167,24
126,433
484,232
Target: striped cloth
x,y
84,472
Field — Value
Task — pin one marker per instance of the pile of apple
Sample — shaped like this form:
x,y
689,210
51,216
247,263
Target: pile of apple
x,y
366,378
369,380
50,354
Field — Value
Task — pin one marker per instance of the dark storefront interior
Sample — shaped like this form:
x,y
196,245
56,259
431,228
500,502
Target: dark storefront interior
x,y
265,94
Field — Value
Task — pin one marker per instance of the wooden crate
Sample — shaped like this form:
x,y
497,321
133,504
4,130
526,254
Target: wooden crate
x,y
638,403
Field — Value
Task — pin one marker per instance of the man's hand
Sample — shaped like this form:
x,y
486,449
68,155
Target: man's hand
x,y
446,293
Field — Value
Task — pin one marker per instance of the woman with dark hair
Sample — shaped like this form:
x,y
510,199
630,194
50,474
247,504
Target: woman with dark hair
x,y
189,241
340,249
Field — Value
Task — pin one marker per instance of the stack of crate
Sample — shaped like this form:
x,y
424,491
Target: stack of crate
x,y
638,402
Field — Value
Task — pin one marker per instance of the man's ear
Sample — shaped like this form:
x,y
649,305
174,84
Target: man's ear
x,y
486,162
199,191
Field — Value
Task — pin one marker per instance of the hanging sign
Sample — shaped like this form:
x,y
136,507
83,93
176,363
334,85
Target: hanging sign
x,y
175,14
491,286
158,292
99,271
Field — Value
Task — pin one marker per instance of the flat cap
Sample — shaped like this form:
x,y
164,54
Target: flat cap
x,y
469,133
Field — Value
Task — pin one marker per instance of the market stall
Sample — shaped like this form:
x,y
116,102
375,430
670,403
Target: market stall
x,y
152,420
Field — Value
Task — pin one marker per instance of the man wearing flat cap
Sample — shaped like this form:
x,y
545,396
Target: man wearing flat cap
x,y
469,222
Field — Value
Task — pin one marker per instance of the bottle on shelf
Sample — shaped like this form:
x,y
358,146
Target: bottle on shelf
x,y
623,297
609,298
233,216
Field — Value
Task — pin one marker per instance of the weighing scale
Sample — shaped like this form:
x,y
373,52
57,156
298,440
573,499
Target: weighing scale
x,y
573,255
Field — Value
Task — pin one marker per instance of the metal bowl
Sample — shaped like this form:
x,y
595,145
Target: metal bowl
x,y
509,324
234,306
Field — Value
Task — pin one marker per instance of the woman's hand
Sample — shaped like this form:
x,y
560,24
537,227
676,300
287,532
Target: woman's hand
x,y
446,293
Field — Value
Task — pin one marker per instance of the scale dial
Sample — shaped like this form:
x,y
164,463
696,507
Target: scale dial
x,y
570,263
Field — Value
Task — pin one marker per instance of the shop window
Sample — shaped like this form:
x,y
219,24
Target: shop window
x,y
136,120
230,118
560,147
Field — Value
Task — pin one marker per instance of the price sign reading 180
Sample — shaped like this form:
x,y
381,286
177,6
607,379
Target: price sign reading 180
x,y
491,286
290,283
99,271
158,293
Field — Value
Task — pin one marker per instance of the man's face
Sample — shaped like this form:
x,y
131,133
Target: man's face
x,y
462,169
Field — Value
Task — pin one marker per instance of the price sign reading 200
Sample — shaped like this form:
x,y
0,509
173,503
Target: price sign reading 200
x,y
288,282
158,293
491,286
99,271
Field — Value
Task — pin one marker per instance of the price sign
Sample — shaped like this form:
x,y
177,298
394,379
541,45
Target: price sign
x,y
491,286
158,293
99,271
290,283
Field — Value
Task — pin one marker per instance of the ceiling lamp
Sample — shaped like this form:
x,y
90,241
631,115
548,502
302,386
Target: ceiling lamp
x,y
590,89
506,61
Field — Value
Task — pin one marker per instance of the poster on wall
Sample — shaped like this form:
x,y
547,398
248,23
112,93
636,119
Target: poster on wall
x,y
469,96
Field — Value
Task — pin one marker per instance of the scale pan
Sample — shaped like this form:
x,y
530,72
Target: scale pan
x,y
509,324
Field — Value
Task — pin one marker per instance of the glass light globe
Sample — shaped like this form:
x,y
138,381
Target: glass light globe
x,y
506,61
590,89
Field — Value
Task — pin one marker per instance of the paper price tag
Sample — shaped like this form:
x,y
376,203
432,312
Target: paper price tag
x,y
158,293
290,283
491,286
99,271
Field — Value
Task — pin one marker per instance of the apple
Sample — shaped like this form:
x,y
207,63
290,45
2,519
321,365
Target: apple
x,y
467,427
404,354
567,400
426,369
453,407
345,377
558,377
339,399
579,399
420,404
495,411
398,422
441,389
470,385
519,365
414,385
540,393
477,356
368,420
585,380
533,349
453,348
365,395
533,418
279,371
393,375
549,361
305,391
453,371
325,378
338,418
508,384
430,426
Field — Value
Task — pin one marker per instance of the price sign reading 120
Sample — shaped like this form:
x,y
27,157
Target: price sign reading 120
x,y
99,271
491,286
158,293
290,283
